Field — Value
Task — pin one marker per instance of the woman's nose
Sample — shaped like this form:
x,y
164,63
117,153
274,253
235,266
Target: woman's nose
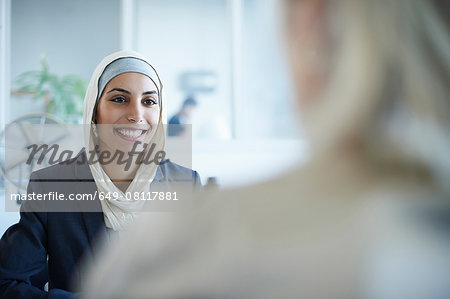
x,y
135,112
134,119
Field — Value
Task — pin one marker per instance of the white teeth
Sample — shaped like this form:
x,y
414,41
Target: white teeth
x,y
131,133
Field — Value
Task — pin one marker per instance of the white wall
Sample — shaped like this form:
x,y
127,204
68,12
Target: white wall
x,y
238,163
76,35
267,106
180,35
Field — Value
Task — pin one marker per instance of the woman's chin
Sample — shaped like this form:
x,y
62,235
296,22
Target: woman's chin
x,y
120,147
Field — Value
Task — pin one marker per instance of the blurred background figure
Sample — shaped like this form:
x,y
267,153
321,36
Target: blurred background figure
x,y
366,217
182,117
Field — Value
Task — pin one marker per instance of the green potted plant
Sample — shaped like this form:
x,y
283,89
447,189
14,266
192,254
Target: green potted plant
x,y
62,96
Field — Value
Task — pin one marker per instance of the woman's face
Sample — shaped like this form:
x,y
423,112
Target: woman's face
x,y
127,111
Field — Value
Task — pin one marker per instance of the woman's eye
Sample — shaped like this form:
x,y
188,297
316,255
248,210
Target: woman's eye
x,y
150,102
118,99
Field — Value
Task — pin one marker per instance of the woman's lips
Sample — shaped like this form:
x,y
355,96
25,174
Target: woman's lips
x,y
130,134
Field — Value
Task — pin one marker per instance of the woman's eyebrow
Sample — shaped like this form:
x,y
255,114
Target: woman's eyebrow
x,y
149,92
119,89
127,92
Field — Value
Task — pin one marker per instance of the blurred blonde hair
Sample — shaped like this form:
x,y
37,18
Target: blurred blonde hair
x,y
387,83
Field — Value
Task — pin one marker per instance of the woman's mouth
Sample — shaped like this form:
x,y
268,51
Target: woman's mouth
x,y
130,134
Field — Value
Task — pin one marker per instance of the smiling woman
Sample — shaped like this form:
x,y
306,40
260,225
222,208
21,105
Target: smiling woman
x,y
123,108
127,112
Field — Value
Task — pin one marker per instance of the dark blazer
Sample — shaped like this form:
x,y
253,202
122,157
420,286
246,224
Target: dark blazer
x,y
48,246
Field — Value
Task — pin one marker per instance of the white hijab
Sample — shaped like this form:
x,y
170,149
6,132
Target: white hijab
x,y
119,212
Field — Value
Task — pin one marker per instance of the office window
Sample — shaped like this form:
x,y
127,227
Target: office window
x,y
189,43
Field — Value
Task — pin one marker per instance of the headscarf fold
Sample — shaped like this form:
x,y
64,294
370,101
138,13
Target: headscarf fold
x,y
118,212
